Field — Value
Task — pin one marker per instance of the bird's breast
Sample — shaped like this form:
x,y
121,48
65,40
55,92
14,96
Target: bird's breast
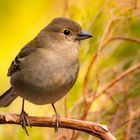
x,y
45,77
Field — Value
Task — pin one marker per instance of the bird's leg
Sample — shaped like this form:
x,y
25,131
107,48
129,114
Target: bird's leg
x,y
57,118
23,119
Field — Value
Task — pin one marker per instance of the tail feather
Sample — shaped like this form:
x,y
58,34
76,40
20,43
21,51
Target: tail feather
x,y
7,97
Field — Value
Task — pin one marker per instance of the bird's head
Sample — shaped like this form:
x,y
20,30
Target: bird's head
x,y
65,30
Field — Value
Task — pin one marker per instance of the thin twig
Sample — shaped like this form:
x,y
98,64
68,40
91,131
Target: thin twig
x,y
135,40
118,78
65,8
99,12
87,74
129,126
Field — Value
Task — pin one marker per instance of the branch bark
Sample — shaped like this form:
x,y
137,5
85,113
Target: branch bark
x,y
92,128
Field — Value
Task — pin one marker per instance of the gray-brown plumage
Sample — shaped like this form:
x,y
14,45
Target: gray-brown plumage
x,y
47,67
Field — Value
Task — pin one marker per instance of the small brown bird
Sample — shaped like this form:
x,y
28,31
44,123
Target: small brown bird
x,y
47,67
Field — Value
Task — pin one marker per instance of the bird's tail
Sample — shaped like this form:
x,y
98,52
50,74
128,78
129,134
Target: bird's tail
x,y
7,97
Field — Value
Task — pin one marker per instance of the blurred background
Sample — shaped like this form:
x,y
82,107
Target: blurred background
x,y
108,87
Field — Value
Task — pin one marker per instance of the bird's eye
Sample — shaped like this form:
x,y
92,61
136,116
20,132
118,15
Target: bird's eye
x,y
66,32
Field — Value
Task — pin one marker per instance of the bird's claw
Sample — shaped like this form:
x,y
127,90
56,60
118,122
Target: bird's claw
x,y
57,122
24,121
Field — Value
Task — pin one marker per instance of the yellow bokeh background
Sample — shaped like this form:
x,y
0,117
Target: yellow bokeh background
x,y
20,22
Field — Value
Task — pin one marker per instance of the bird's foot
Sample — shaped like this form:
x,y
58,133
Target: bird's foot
x,y
56,118
57,122
24,121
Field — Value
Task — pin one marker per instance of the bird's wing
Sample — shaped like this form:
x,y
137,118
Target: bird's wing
x,y
15,65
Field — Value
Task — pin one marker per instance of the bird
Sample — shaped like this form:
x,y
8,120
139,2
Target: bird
x,y
47,67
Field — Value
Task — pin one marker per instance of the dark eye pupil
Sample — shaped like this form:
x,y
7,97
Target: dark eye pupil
x,y
66,32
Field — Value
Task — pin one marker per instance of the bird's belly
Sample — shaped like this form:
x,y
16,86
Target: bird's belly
x,y
46,86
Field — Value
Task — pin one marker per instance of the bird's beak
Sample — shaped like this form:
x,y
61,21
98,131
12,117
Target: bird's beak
x,y
83,35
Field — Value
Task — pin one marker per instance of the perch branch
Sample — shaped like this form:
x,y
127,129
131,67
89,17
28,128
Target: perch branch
x,y
92,128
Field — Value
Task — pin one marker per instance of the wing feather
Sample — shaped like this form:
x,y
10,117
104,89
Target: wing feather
x,y
15,65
